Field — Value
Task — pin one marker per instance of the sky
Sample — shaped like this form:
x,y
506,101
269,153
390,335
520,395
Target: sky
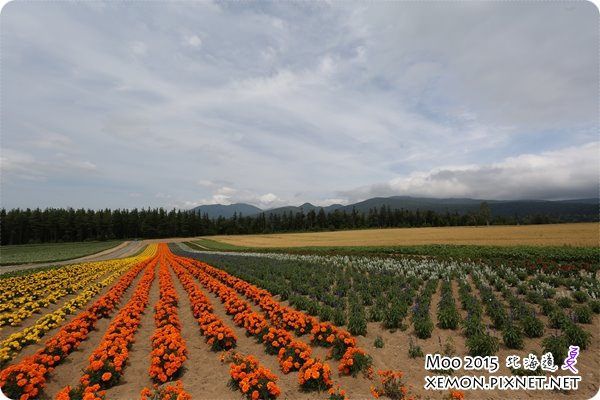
x,y
177,104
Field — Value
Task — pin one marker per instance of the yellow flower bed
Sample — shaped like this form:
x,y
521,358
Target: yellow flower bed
x,y
13,344
18,291
71,283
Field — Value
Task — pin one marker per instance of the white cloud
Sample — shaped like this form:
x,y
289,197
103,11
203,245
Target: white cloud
x,y
268,200
205,182
82,165
278,23
283,82
269,53
327,65
226,191
139,48
19,164
330,201
562,174
50,140
223,195
15,164
228,195
194,41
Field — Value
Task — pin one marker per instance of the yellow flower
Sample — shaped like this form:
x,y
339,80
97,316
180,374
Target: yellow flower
x,y
27,293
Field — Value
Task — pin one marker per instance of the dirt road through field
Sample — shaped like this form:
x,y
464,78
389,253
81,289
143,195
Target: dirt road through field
x,y
123,250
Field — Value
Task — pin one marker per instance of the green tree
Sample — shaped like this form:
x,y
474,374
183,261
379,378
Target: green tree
x,y
484,212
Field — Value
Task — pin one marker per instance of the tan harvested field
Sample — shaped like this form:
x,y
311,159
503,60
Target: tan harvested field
x,y
579,234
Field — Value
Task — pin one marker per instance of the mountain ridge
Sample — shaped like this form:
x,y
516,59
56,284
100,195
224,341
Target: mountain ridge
x,y
584,208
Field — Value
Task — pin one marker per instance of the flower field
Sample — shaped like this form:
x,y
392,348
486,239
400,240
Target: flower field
x,y
177,324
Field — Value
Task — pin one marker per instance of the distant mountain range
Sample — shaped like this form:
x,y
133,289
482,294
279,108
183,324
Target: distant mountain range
x,y
578,209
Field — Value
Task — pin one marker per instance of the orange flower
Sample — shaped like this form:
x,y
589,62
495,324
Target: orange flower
x,y
166,392
391,383
273,388
336,393
354,361
96,365
315,375
293,356
64,394
323,334
374,392
283,317
68,338
106,376
168,347
252,379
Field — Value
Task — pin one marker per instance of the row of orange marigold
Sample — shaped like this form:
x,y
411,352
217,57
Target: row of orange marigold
x,y
247,375
107,361
322,334
168,347
218,335
293,355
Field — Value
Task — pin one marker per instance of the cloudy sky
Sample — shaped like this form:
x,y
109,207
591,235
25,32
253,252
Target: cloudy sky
x,y
136,104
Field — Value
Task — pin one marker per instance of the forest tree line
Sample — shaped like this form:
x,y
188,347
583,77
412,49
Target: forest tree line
x,y
73,225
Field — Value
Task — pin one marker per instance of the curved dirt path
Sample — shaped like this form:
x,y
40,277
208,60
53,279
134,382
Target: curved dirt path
x,y
123,250
126,249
